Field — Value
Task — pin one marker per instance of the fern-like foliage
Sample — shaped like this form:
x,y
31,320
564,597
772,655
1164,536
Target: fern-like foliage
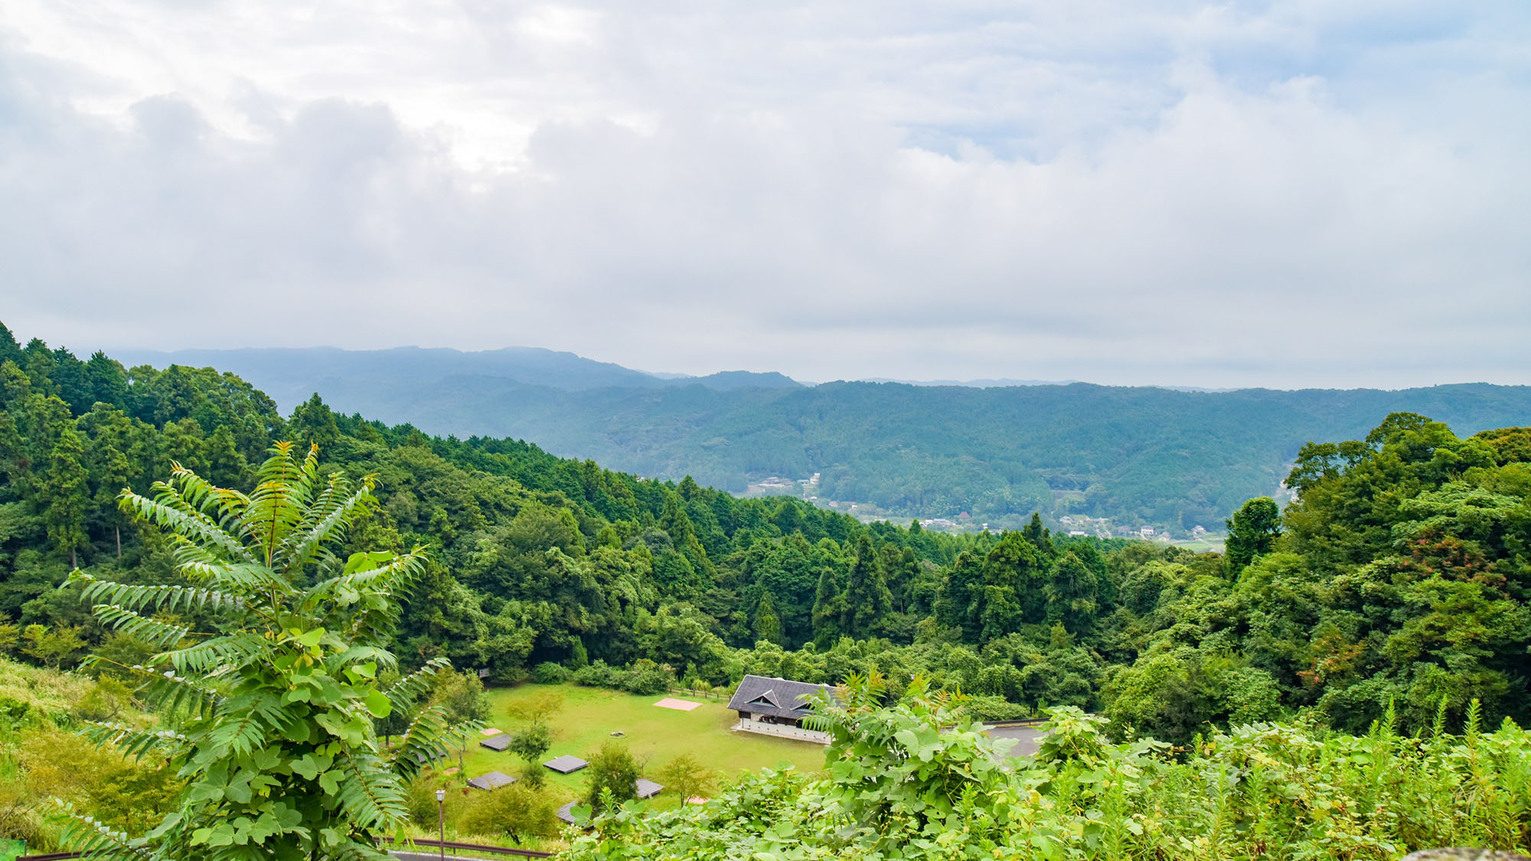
x,y
168,599
139,743
93,839
150,631
428,739
405,692
274,708
178,694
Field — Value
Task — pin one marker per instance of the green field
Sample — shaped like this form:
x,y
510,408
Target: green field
x,y
653,735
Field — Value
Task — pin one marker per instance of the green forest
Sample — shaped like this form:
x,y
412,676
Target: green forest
x,y
1137,456
1376,626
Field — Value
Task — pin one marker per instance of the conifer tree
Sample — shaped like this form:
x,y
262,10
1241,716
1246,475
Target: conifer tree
x,y
15,386
110,434
867,599
1039,536
10,350
107,379
1072,594
68,496
767,623
677,524
828,607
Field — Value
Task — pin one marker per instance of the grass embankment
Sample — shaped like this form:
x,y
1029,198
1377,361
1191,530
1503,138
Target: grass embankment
x,y
654,736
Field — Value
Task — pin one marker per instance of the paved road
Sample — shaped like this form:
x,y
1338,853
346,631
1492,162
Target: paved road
x,y
1026,738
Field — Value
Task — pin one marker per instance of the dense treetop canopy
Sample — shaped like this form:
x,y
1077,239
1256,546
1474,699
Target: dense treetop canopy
x,y
1398,575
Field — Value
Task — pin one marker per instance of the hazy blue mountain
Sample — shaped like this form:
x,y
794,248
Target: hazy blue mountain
x,y
291,375
1139,456
975,384
729,380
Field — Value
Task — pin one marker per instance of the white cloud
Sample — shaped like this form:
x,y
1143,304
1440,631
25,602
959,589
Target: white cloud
x,y
1304,193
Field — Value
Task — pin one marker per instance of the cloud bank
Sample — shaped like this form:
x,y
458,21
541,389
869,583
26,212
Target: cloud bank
x,y
1238,194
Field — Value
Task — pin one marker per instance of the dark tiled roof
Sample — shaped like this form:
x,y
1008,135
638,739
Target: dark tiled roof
x,y
774,697
497,742
566,764
566,813
644,788
492,780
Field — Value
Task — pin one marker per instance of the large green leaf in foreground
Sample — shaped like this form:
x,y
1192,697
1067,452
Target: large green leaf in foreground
x,y
274,709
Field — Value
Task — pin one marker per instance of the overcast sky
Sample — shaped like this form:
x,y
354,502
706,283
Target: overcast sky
x,y
1283,194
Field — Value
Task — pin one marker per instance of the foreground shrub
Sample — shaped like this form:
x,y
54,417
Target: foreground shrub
x,y
914,781
515,811
274,710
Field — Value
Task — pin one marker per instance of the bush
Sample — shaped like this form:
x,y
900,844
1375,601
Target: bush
x,y
912,780
612,769
514,810
532,775
105,701
597,675
991,708
549,673
646,677
643,676
420,799
687,777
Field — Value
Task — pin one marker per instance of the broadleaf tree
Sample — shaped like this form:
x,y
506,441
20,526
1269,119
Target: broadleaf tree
x,y
274,709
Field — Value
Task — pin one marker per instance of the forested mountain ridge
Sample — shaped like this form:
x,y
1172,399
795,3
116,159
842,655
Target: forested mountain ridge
x,y
535,557
1400,573
1393,590
290,375
1137,456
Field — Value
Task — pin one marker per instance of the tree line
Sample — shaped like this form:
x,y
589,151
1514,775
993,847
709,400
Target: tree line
x,y
1398,576
1136,455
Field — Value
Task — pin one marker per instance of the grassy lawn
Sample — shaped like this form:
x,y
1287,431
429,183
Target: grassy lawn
x,y
653,735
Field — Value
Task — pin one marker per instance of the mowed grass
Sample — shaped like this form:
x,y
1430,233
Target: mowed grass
x,y
653,735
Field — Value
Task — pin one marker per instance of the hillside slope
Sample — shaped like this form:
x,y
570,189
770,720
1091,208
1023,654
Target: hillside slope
x,y
1167,458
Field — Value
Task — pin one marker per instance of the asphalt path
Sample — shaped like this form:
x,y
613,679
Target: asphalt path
x,y
1026,738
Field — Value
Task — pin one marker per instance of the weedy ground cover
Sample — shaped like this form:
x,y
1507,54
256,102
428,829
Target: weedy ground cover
x,y
916,780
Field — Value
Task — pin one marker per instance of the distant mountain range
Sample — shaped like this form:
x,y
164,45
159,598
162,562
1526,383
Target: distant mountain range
x,y
290,376
1137,456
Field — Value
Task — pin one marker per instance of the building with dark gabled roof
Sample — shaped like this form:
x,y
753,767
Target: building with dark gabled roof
x,y
762,698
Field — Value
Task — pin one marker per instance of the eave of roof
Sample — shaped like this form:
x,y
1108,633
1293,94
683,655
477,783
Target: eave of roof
x,y
789,696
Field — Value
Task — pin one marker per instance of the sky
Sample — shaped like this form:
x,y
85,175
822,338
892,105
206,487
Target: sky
x,y
1304,193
